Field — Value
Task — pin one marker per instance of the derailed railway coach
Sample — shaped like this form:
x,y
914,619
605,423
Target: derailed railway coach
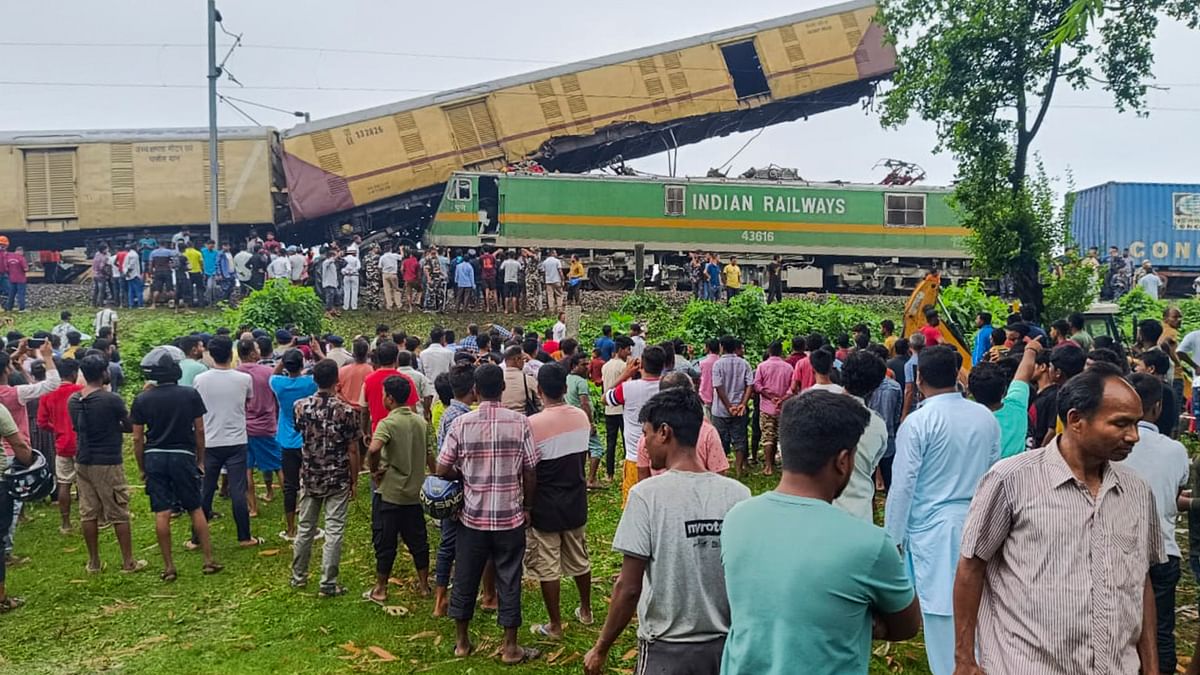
x,y
832,236
66,189
384,168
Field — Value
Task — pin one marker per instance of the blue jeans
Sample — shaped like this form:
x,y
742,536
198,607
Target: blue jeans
x,y
100,289
445,552
134,287
17,294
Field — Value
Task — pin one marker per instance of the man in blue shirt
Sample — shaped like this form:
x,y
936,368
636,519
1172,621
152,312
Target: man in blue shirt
x,y
145,245
226,274
912,394
605,343
942,450
210,254
836,575
712,272
290,386
464,283
983,338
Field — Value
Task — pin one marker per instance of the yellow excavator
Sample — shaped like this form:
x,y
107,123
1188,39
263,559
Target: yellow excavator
x,y
925,297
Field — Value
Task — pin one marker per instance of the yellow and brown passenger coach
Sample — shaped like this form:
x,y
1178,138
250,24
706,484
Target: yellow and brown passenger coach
x,y
62,188
376,163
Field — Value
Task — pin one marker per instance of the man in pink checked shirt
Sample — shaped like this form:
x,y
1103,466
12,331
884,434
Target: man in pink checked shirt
x,y
773,382
713,347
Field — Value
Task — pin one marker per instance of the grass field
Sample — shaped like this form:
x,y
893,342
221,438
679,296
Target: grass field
x,y
248,620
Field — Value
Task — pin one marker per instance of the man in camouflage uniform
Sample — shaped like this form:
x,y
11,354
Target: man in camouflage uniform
x,y
371,294
435,282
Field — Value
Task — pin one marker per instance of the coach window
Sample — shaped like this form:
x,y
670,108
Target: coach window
x,y
462,190
674,197
905,210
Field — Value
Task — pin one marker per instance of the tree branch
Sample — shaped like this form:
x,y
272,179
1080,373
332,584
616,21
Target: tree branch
x,y
1047,93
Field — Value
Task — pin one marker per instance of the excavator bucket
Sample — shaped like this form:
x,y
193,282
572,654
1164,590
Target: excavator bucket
x,y
925,296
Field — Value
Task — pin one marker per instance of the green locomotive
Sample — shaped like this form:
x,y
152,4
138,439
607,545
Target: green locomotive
x,y
831,236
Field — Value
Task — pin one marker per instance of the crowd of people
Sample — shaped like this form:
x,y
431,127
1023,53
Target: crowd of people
x,y
1032,484
347,275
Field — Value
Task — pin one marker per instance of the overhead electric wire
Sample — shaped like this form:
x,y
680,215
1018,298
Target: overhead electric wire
x,y
422,55
264,106
226,101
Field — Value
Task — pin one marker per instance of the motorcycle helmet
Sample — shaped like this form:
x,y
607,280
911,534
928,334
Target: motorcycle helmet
x,y
29,483
161,364
441,498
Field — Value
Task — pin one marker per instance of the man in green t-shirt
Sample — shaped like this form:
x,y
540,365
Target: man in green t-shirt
x,y
578,396
1008,401
841,580
397,458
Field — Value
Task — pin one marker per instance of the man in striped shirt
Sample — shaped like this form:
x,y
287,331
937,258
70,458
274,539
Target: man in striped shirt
x,y
633,394
556,542
491,451
1057,547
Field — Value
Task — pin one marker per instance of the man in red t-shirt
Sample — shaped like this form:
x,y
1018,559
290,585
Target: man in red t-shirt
x,y
371,398
52,416
487,263
931,330
410,270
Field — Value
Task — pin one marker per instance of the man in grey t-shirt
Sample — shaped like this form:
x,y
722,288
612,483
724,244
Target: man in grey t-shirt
x,y
670,537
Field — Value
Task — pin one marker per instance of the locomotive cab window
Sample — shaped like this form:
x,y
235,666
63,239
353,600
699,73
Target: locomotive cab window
x,y
904,210
741,59
674,196
460,191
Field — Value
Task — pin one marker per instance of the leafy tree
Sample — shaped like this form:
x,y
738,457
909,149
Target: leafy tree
x,y
985,72
1073,287
1081,14
964,302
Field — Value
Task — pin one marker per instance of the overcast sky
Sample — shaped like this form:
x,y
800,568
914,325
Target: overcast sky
x,y
450,44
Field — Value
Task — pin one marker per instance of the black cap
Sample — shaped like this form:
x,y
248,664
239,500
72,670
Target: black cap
x,y
334,340
283,335
293,360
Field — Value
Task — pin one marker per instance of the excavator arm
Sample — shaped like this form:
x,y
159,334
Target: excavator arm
x,y
926,296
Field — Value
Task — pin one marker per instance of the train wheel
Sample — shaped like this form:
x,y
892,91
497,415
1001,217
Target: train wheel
x,y
609,279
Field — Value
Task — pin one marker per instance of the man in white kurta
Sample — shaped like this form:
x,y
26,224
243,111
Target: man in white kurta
x,y
942,450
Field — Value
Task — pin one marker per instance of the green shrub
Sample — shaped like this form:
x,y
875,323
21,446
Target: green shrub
x,y
1074,291
963,302
1190,308
281,304
758,324
539,326
137,341
1135,306
643,305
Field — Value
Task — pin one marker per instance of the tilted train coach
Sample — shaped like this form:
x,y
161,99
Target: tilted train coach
x,y
384,167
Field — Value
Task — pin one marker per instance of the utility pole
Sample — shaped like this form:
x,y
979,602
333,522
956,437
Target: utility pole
x,y
214,169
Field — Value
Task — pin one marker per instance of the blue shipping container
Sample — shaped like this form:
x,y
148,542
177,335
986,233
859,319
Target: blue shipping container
x,y
1159,222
